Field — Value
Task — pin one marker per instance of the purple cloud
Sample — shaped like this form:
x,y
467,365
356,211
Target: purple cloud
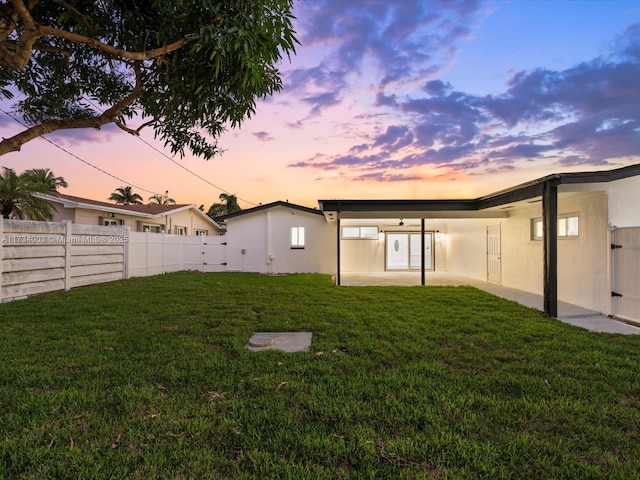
x,y
263,136
586,114
397,41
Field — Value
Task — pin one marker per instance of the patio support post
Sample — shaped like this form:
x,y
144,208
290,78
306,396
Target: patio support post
x,y
422,255
550,251
338,248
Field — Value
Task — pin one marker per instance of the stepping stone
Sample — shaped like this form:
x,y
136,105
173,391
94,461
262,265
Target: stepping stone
x,y
285,341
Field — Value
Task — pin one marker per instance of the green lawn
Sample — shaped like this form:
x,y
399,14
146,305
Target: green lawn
x,y
149,378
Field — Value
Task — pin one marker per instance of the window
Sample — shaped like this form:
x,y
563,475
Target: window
x,y
365,232
110,223
201,232
297,237
151,228
567,227
181,230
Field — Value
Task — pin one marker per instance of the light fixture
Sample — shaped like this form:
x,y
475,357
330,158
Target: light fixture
x,y
401,223
438,235
381,235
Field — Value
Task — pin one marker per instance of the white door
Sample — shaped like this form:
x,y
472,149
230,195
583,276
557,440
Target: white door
x,y
397,251
403,251
493,253
625,265
414,248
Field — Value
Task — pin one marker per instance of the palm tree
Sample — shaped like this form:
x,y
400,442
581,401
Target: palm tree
x,y
44,176
125,196
17,201
161,199
229,205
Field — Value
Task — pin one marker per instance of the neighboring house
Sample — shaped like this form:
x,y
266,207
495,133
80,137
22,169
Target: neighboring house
x,y
280,237
174,219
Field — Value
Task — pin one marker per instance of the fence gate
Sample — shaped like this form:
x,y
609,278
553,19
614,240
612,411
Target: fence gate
x,y
625,248
214,254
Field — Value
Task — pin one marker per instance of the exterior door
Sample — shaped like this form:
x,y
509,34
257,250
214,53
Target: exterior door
x,y
414,244
403,251
494,266
397,251
625,275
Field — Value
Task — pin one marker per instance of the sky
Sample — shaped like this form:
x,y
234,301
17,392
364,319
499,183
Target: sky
x,y
399,99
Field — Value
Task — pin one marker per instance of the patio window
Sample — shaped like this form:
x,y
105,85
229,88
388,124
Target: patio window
x,y
568,227
297,237
360,232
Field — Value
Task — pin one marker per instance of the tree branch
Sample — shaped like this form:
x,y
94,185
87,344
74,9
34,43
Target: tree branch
x,y
13,144
114,51
33,31
77,13
120,124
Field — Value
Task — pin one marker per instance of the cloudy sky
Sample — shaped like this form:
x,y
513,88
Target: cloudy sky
x,y
402,99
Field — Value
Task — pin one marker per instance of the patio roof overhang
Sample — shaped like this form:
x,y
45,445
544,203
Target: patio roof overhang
x,y
487,206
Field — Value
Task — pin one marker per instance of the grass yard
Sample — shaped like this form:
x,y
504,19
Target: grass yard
x,y
149,378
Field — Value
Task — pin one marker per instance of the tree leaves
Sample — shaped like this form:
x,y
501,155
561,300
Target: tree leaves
x,y
188,69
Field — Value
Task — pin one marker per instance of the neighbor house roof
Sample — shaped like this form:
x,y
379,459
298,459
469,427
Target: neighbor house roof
x,y
517,193
266,206
145,211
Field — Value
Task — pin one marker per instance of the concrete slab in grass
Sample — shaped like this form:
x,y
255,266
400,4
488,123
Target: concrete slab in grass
x,y
285,341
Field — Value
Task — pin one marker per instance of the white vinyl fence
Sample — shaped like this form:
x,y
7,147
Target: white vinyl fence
x,y
156,253
39,257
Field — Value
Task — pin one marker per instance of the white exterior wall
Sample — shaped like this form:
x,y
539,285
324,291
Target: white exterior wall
x,y
265,238
583,262
624,202
467,247
359,256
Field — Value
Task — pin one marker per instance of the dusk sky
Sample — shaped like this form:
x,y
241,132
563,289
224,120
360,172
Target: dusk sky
x,y
401,99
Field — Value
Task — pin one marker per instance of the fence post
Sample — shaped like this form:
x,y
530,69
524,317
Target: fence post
x,y
1,252
162,253
67,254
126,246
146,253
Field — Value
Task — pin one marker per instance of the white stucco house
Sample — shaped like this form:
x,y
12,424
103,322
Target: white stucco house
x,y
178,219
573,237
280,237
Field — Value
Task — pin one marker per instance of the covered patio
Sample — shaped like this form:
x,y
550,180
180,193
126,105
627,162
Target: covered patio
x,y
509,238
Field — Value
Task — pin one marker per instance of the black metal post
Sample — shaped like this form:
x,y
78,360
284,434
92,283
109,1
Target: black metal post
x,y
550,251
338,249
422,255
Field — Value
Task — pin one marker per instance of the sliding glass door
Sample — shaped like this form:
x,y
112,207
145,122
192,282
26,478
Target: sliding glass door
x,y
403,251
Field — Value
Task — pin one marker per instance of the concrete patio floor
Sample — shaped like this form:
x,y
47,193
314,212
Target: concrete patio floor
x,y
567,313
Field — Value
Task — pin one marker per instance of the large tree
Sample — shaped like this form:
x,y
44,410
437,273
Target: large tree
x,y
229,204
16,193
184,68
44,177
125,196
